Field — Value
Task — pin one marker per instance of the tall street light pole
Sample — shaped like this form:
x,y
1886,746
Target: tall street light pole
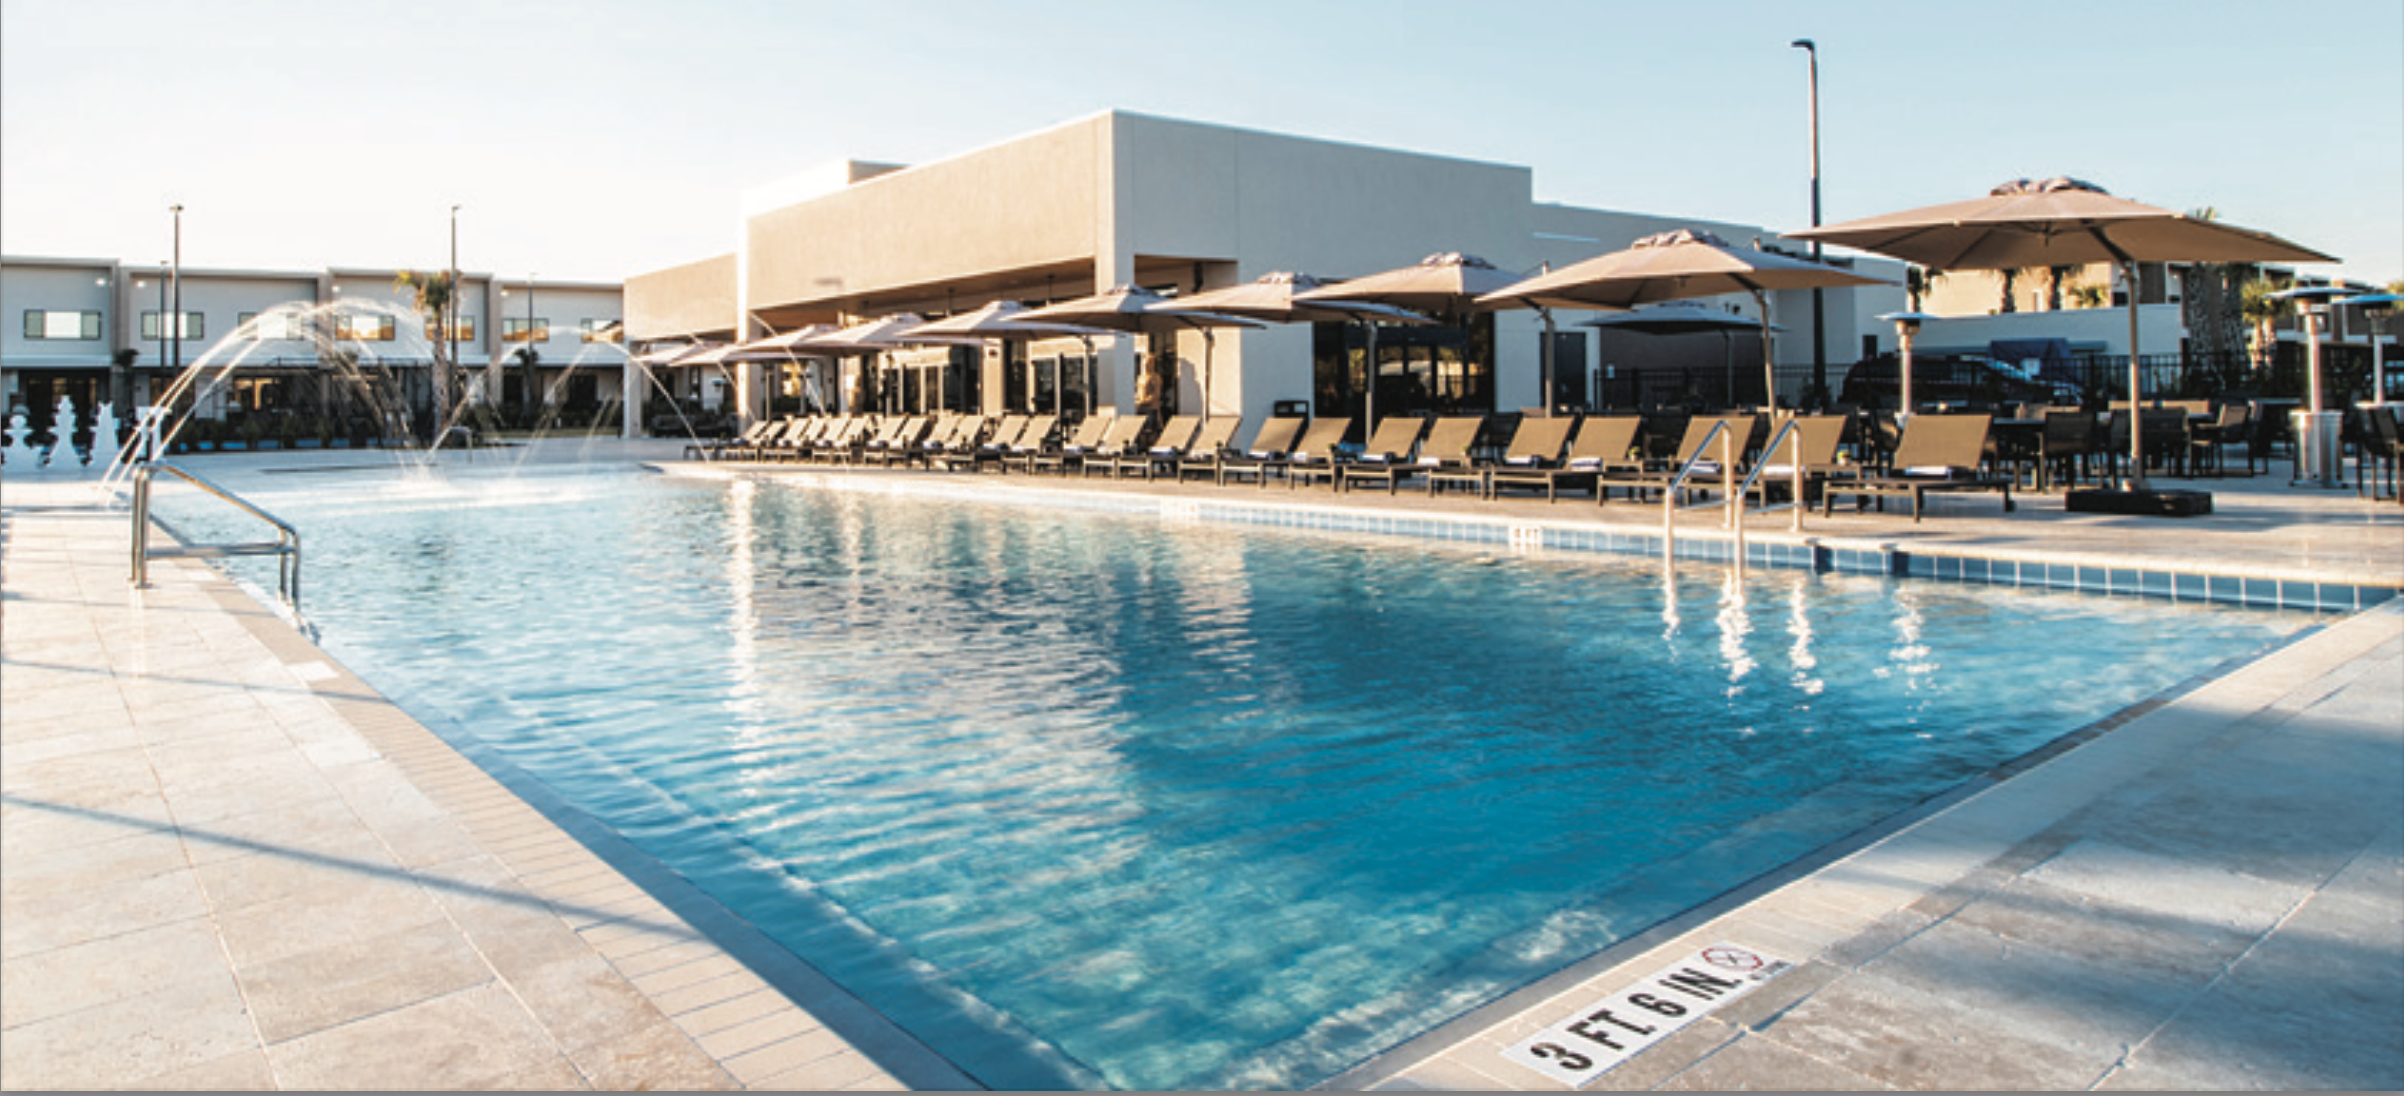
x,y
1819,303
175,282
450,326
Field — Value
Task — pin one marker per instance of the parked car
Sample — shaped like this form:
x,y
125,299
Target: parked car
x,y
1950,378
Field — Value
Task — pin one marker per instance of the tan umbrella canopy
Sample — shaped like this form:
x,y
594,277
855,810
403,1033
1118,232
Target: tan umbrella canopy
x,y
2061,222
784,348
1446,283
1001,320
1132,309
1275,297
868,337
1449,282
672,354
1677,265
780,347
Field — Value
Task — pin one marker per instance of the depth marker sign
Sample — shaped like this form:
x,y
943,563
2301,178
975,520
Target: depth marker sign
x,y
1582,1047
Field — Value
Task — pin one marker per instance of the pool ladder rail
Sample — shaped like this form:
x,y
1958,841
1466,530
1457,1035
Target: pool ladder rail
x,y
1733,503
286,545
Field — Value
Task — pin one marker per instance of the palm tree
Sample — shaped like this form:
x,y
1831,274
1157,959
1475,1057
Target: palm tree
x,y
432,294
2056,277
2262,311
1919,282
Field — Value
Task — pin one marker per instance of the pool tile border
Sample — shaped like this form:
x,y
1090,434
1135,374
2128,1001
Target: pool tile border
x,y
1770,549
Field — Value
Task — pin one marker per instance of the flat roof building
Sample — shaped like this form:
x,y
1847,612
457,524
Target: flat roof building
x,y
95,331
1174,206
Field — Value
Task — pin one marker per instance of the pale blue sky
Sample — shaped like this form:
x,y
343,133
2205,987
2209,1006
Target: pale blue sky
x,y
600,139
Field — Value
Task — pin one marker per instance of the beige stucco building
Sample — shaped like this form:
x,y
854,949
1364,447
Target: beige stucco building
x,y
1174,206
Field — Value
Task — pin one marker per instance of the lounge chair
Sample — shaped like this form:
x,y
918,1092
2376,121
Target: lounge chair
x,y
839,444
1936,453
1389,447
1699,450
1040,436
986,449
1209,447
1604,443
1122,439
1818,437
1175,434
1271,446
750,439
896,444
1535,443
1086,441
965,434
1445,449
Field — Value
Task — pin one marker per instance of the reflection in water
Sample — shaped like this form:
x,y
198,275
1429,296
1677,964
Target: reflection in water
x,y
1735,624
1799,657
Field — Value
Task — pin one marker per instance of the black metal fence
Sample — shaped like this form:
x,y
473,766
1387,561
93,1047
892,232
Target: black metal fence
x,y
2091,380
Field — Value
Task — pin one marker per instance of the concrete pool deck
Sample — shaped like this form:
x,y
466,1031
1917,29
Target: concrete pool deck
x,y
228,863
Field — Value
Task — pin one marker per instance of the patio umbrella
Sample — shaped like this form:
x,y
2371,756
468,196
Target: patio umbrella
x,y
865,338
1671,266
1685,318
2060,222
782,348
1000,320
1274,298
1446,283
672,354
1130,309
2376,307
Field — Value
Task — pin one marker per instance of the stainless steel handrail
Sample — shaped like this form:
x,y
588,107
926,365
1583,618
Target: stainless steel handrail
x,y
1794,465
286,547
1669,496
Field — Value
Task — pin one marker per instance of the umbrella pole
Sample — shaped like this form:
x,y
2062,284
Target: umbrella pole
x,y
2136,476
1209,342
1370,405
1545,398
1769,367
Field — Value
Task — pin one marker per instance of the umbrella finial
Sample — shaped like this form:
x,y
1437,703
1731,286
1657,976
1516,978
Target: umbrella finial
x,y
2045,186
1680,236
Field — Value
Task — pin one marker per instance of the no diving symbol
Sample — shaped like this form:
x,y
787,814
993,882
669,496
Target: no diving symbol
x,y
1727,958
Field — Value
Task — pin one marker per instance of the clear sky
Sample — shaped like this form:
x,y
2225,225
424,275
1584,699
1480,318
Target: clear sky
x,y
600,138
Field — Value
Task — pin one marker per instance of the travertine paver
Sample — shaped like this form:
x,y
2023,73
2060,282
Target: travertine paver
x,y
2210,895
228,864
260,874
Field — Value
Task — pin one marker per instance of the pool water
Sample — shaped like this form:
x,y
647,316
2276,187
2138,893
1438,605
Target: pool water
x,y
1089,800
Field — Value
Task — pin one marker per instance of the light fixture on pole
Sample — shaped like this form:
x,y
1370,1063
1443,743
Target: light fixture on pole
x,y
1819,302
1907,328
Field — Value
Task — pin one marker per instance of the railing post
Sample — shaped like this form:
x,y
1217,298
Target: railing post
x,y
141,533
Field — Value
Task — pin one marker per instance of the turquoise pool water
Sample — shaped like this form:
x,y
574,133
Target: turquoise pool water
x,y
1092,800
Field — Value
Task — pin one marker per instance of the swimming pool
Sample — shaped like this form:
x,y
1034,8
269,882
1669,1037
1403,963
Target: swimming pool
x,y
1089,800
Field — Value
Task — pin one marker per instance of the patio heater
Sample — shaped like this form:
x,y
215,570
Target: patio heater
x,y
2320,450
1907,329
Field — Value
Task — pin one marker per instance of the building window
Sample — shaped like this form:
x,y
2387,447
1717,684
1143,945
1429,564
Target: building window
x,y
192,327
271,326
44,324
598,331
363,327
465,330
529,329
